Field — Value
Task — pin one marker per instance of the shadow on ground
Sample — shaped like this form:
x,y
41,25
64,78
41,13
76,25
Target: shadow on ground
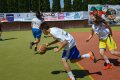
x,y
77,73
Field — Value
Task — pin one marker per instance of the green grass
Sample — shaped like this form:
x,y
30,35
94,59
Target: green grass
x,y
18,62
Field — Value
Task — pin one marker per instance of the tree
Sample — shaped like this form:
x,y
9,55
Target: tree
x,y
12,6
46,6
34,5
3,6
86,3
77,5
67,6
56,6
23,5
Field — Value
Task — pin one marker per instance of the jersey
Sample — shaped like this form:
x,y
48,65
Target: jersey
x,y
101,31
61,36
36,23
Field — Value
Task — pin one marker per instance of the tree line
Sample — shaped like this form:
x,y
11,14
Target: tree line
x,y
15,6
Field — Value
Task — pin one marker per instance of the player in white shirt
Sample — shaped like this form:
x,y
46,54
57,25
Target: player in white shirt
x,y
36,22
67,43
104,32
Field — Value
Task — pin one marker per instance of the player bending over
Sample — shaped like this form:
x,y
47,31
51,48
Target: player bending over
x,y
67,42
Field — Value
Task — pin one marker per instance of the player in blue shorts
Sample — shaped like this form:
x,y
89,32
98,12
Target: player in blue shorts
x,y
68,44
35,29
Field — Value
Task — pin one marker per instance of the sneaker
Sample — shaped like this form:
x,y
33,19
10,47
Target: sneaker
x,y
108,66
31,44
1,39
35,49
92,57
70,79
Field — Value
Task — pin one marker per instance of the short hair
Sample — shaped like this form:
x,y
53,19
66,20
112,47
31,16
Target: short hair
x,y
39,14
44,25
111,11
99,18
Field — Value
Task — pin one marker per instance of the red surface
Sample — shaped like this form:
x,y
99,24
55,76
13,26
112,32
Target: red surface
x,y
96,69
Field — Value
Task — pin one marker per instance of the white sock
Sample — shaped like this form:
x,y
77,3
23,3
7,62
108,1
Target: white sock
x,y
70,74
107,61
86,56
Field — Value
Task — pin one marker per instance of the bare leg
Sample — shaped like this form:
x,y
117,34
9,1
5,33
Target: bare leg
x,y
37,40
68,69
102,53
109,65
114,52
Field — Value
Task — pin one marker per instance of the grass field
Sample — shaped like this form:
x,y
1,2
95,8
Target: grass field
x,y
18,62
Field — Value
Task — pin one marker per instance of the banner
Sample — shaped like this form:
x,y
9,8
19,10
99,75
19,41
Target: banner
x,y
110,13
63,16
10,17
49,16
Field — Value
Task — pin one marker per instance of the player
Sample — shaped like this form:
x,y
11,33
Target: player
x,y
35,29
67,42
0,31
104,32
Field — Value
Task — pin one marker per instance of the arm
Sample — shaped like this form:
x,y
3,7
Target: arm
x,y
63,44
107,26
53,42
91,35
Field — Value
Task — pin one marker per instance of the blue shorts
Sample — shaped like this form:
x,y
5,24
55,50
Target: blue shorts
x,y
36,33
71,54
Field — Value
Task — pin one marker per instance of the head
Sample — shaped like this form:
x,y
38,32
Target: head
x,y
39,14
45,28
96,19
111,14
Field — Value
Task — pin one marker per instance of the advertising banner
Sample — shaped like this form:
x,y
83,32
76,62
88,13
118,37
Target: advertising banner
x,y
110,13
49,16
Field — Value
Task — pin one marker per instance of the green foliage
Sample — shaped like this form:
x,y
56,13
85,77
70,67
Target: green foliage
x,y
34,5
23,5
3,6
56,6
12,6
67,6
45,6
77,5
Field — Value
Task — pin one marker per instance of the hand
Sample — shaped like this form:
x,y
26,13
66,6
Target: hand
x,y
47,44
56,50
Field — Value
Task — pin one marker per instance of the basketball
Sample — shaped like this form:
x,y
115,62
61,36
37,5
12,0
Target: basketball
x,y
42,49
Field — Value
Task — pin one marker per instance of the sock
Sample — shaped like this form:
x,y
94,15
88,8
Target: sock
x,y
86,56
70,74
107,61
33,43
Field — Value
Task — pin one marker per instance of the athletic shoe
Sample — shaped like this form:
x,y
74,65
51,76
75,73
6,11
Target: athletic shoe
x,y
92,57
1,39
35,49
108,66
31,44
71,79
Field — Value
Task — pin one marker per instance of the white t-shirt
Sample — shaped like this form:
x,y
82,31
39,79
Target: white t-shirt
x,y
101,31
36,23
61,36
